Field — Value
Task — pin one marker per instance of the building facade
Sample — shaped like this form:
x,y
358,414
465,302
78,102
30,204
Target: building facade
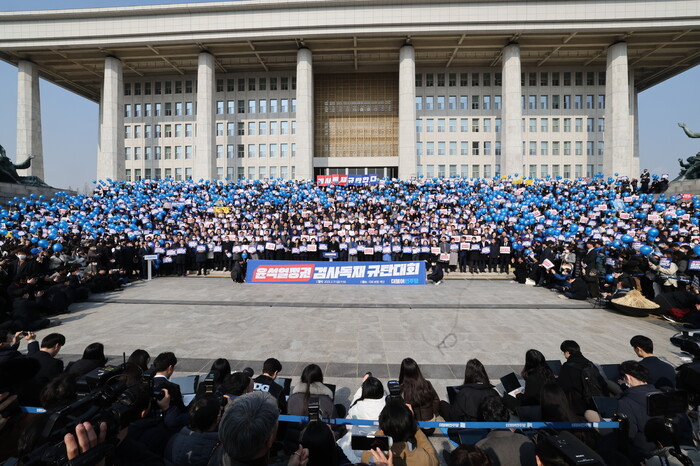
x,y
277,89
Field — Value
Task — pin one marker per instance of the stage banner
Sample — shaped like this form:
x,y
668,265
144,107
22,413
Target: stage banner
x,y
336,273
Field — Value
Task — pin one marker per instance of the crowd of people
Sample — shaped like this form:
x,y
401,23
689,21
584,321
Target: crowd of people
x,y
575,236
233,417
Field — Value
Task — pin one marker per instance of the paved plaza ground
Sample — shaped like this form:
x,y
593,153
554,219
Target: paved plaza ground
x,y
349,330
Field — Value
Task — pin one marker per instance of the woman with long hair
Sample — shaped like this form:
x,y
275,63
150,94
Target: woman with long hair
x,y
93,357
555,407
318,438
418,392
536,373
475,388
220,368
310,388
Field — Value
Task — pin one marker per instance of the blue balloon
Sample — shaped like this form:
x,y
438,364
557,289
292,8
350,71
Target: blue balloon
x,y
646,249
58,247
609,278
626,239
696,249
653,232
43,243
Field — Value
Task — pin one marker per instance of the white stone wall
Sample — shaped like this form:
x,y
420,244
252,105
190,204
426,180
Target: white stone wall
x,y
222,97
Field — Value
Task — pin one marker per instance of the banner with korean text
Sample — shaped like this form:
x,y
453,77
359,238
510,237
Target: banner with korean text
x,y
336,273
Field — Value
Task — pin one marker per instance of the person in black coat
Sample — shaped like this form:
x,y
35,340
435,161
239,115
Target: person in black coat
x,y
93,357
473,391
570,378
661,373
238,271
193,445
437,274
176,416
50,367
633,404
577,289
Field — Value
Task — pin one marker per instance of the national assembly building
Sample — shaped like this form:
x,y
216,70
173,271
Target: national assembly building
x,y
296,89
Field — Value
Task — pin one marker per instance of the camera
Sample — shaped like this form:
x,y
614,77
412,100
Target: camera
x,y
314,409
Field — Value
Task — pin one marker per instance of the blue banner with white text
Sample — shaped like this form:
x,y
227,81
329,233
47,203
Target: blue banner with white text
x,y
336,273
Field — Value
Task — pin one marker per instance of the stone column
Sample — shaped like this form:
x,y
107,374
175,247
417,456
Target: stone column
x,y
305,115
204,150
110,157
29,119
618,130
407,112
512,135
634,128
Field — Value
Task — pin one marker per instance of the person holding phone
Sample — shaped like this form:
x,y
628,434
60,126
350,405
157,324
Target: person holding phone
x,y
367,403
410,445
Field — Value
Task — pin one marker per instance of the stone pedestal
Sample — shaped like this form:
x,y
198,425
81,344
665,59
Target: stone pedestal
x,y
683,186
8,191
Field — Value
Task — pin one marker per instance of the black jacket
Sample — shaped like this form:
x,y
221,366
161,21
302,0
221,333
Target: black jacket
x,y
468,400
50,366
189,448
570,380
661,374
633,404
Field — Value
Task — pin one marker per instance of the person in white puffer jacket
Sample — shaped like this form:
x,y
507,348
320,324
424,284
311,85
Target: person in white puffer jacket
x,y
367,403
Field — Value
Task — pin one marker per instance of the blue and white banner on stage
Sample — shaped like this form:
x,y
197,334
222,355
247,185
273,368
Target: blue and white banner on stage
x,y
336,273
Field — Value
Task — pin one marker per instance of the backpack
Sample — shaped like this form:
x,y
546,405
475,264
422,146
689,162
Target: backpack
x,y
591,382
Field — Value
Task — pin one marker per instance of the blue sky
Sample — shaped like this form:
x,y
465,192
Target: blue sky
x,y
70,122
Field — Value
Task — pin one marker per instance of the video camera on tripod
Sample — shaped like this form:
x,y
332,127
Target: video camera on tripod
x,y
106,395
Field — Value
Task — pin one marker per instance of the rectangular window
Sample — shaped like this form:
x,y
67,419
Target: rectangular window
x,y
127,153
567,78
590,125
241,106
429,125
441,102
219,129
487,102
578,102
475,125
441,148
230,107
532,102
419,125
240,151
498,125
251,128
419,103
475,171
294,127
188,86
601,125
567,102
168,109
188,108
544,78
230,151
589,148
251,106
567,171
590,78
543,102
579,125
240,128
567,147
555,125
475,148
430,148
273,105
127,110
453,147
464,125
294,154
188,130
429,80
475,102
273,151
441,125
262,128
419,149
487,147
294,105
544,172
555,78
533,148
441,79
464,148
178,152
555,148
273,84
148,153
284,127
178,130
219,85
230,129
127,88
158,88
419,80
251,150
168,133
567,125
533,125
589,102
284,151
168,152
157,151
544,148
487,125
168,87
128,174
453,125
544,125
147,88
262,150
429,102
137,110
284,105
578,148
601,101
263,105
188,152
601,150
127,132
148,110
137,88
498,148
251,173
452,102
157,131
